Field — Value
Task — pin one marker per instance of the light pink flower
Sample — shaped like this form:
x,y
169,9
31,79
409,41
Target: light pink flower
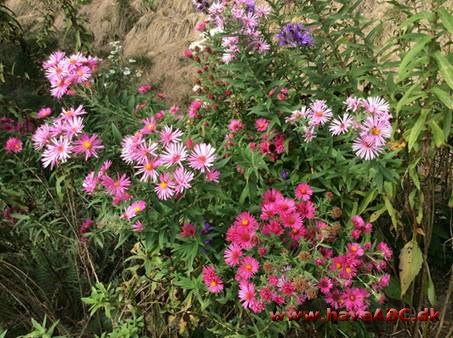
x,y
56,152
202,157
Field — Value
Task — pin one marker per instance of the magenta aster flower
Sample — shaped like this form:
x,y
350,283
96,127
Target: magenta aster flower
x,y
261,124
134,209
248,267
138,227
165,188
235,125
89,145
56,152
187,230
325,285
202,157
247,294
211,279
212,176
150,125
13,145
303,192
233,254
355,299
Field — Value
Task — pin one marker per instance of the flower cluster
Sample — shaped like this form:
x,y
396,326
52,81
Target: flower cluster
x,y
161,156
369,119
200,5
64,136
293,35
63,72
289,256
270,142
247,15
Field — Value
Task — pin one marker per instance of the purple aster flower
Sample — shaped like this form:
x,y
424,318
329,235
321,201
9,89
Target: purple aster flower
x,y
206,228
200,5
284,174
293,35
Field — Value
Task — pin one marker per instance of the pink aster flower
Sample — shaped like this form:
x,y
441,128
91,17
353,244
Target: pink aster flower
x,y
303,192
248,267
202,157
341,125
116,187
150,126
54,59
355,299
376,106
89,145
247,294
13,145
165,188
212,176
168,135
144,151
261,124
90,182
174,153
182,179
309,134
385,250
129,147
134,209
378,130
366,147
287,288
235,125
355,249
56,152
233,254
211,279
148,170
60,87
143,89
325,285
44,112
138,227
320,113
73,126
243,236
188,230
353,103
69,113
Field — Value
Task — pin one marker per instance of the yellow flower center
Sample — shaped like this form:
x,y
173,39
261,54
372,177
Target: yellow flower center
x,y
375,131
348,269
245,222
136,209
149,166
87,144
338,265
163,185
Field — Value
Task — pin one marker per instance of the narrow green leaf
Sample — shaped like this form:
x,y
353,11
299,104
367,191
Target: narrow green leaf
x,y
447,124
391,211
445,68
446,19
430,289
438,134
443,96
416,129
410,56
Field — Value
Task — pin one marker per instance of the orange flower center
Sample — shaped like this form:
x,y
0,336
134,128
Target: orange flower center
x,y
353,248
375,131
319,113
87,145
149,166
338,265
348,269
213,283
352,297
248,267
163,185
116,184
245,222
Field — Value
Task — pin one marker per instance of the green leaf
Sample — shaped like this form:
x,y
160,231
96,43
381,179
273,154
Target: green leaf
x,y
58,188
413,174
447,124
443,96
391,211
445,68
411,260
416,129
368,199
438,134
430,289
116,133
446,19
404,69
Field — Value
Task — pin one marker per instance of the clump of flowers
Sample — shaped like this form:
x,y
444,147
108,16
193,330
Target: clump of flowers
x,y
369,120
294,35
64,72
64,136
160,155
268,142
200,5
287,255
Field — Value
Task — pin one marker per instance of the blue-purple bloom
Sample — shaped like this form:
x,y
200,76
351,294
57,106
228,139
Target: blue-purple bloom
x,y
201,5
284,174
206,228
293,35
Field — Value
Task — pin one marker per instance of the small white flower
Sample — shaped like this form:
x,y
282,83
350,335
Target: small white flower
x,y
132,61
